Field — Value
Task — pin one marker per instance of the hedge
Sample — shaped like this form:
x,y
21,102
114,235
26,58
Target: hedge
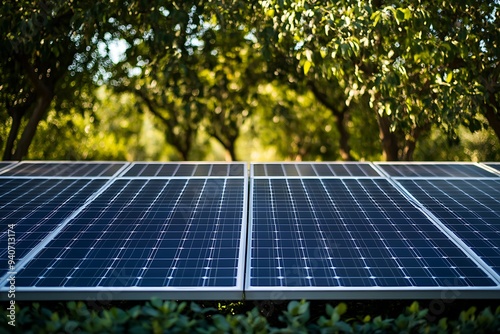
x,y
157,316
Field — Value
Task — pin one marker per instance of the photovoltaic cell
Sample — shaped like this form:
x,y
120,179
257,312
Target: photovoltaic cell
x,y
314,169
37,206
64,169
434,170
149,233
495,165
469,208
331,233
4,164
184,170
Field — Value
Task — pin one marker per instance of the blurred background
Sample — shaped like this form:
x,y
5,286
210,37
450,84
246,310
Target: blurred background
x,y
264,80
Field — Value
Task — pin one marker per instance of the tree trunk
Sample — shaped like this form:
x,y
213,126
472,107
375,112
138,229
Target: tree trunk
x,y
8,154
231,153
341,118
411,143
408,150
184,154
28,134
388,138
229,147
182,145
493,118
341,124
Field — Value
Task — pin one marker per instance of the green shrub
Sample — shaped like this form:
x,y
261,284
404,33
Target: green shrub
x,y
157,316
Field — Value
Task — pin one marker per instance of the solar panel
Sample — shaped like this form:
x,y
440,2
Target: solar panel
x,y
4,164
37,207
314,169
494,165
64,169
143,169
350,237
434,170
469,208
173,238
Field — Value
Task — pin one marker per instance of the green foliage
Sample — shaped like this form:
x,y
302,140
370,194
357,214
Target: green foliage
x,y
382,75
157,316
414,64
111,130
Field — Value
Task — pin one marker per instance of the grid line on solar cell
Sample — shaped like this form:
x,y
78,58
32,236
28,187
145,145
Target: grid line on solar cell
x,y
494,165
350,233
148,233
5,164
313,170
469,208
434,170
64,169
139,169
36,207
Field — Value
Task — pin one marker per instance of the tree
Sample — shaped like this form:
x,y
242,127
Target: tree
x,y
43,44
386,51
230,70
111,130
200,73
159,68
294,125
469,35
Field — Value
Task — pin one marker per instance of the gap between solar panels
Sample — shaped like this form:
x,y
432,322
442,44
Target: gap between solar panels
x,y
107,230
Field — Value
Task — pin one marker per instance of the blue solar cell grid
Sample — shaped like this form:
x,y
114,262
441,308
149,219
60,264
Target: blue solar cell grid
x,y
358,169
469,208
494,165
5,164
315,230
140,169
161,233
434,170
37,206
328,233
64,169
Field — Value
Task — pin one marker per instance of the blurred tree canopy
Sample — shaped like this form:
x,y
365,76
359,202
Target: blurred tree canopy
x,y
298,79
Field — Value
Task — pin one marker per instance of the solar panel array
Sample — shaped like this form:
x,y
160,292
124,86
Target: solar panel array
x,y
283,231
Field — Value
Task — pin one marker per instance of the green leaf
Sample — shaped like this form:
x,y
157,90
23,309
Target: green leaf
x,y
307,66
323,53
449,77
329,310
71,326
195,308
156,302
341,308
375,17
304,307
443,324
148,310
221,323
135,311
414,308
400,15
292,306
